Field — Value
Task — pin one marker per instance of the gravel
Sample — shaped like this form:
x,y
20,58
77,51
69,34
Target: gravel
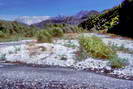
x,y
28,77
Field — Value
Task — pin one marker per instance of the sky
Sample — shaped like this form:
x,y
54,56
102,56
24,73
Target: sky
x,y
12,8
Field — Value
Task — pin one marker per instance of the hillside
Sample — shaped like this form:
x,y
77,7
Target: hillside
x,y
118,20
101,21
125,25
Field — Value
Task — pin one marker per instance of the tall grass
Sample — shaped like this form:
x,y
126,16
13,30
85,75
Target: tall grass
x,y
57,32
48,35
96,48
44,36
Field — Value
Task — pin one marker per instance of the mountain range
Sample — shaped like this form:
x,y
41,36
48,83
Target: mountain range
x,y
31,19
73,20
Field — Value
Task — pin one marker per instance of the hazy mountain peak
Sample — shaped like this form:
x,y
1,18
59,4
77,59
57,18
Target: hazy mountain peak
x,y
31,19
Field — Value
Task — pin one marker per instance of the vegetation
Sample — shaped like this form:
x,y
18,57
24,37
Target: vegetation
x,y
106,20
94,47
56,30
120,48
125,25
66,28
117,62
15,31
117,20
44,36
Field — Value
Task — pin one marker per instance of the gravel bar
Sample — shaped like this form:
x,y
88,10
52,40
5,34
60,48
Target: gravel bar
x,y
28,77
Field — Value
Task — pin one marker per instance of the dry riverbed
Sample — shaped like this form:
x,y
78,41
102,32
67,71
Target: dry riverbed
x,y
62,53
14,76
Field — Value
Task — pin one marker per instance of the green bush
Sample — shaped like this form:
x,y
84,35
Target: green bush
x,y
95,47
118,62
72,29
57,32
44,36
48,34
2,34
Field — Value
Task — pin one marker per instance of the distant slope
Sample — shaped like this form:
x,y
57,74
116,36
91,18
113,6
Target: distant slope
x,y
73,20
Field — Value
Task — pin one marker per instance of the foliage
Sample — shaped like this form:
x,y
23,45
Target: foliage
x,y
44,36
102,21
66,28
2,35
57,32
73,29
13,30
114,21
96,48
125,26
117,62
120,48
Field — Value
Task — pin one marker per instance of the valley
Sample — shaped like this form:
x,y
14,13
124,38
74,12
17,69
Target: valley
x,y
88,50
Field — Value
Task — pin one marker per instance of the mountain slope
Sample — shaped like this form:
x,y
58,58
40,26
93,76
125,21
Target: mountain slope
x,y
73,20
125,26
118,20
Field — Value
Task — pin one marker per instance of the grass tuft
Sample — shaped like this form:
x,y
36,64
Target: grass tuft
x,y
44,36
118,62
95,47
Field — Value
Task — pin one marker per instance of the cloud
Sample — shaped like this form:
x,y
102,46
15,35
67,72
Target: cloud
x,y
8,17
26,19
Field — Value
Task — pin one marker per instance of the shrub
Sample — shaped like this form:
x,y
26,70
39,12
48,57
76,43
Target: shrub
x,y
2,34
44,36
117,62
120,48
72,29
95,47
57,32
76,29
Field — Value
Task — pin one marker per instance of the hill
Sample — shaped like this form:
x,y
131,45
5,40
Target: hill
x,y
118,20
